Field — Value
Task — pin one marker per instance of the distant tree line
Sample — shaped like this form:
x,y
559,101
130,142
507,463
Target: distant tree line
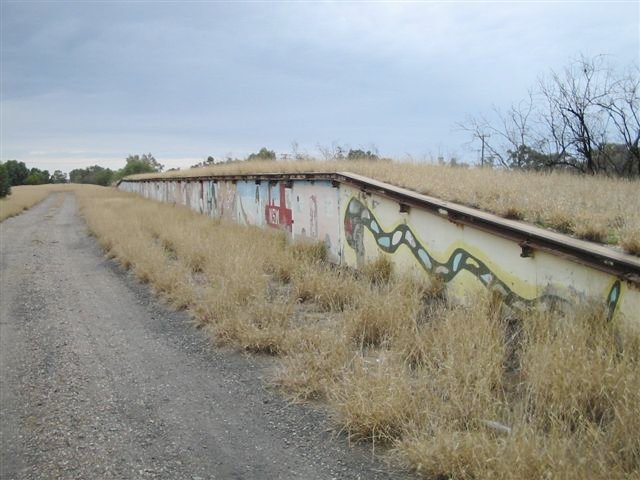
x,y
263,154
339,152
95,175
585,118
5,185
205,163
14,173
98,175
18,173
333,152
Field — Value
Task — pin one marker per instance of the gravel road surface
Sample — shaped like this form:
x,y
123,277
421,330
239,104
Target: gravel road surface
x,y
98,380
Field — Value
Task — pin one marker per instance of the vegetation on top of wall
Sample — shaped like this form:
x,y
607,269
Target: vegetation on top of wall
x,y
596,208
456,391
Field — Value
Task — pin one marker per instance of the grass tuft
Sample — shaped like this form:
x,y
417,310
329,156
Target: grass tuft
x,y
374,399
315,360
379,271
260,327
630,240
332,289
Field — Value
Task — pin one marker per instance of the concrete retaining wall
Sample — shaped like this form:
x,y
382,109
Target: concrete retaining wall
x,y
359,224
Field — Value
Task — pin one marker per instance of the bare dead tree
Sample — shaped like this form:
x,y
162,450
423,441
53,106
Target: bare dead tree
x,y
623,108
585,118
296,153
554,141
503,141
333,152
574,98
481,128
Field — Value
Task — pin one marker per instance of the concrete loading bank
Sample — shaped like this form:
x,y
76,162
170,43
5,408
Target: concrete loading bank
x,y
360,219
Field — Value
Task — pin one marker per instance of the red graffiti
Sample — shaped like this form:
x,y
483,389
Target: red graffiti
x,y
279,216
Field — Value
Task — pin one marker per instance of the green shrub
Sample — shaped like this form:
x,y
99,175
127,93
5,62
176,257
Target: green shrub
x,y
5,185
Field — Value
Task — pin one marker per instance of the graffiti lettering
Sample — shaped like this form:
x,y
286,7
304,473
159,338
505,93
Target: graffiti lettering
x,y
277,211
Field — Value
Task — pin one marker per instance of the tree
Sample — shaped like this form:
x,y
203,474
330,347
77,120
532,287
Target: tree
x,y
529,158
360,154
205,163
95,175
103,176
17,172
140,164
58,177
296,153
579,119
577,123
5,183
263,154
333,152
37,177
507,140
623,108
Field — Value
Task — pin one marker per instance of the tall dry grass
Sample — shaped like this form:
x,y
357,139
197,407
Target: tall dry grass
x,y
600,209
26,196
569,412
452,391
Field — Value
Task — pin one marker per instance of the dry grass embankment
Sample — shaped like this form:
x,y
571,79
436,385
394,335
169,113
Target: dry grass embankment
x,y
26,196
599,209
455,392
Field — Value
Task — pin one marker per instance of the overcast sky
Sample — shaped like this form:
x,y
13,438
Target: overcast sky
x,y
88,83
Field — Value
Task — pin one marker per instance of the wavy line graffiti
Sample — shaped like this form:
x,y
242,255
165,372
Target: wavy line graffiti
x,y
358,217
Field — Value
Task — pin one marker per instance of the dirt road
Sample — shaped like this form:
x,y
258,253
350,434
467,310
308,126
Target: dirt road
x,y
98,380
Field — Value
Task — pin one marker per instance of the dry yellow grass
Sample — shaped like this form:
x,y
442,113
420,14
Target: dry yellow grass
x,y
630,239
454,391
600,209
316,354
26,196
330,288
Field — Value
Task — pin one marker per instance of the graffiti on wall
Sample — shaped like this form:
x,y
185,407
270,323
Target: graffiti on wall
x,y
278,212
359,217
311,209
251,198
